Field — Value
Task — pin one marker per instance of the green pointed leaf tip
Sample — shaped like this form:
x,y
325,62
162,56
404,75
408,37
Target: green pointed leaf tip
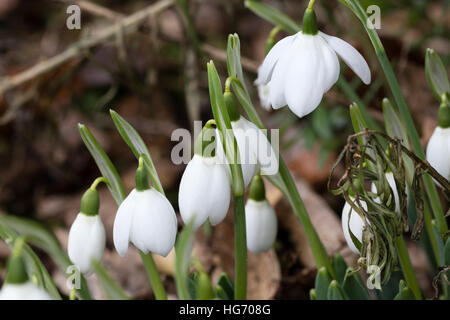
x,y
353,286
335,291
137,146
436,74
183,250
104,163
204,287
322,283
225,287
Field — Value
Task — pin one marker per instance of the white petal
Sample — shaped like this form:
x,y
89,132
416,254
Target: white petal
x,y
266,69
86,241
247,141
330,64
263,94
219,195
356,225
305,76
351,57
265,155
194,189
261,225
23,291
123,222
153,228
438,151
391,181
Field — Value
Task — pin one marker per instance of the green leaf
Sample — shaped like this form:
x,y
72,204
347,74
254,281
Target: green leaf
x,y
447,252
234,58
46,241
436,74
404,293
183,250
340,268
109,286
273,15
137,145
35,268
335,291
225,287
204,287
439,240
395,128
104,164
322,283
353,287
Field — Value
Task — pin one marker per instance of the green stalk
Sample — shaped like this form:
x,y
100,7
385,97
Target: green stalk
x,y
153,276
240,249
407,268
356,8
287,185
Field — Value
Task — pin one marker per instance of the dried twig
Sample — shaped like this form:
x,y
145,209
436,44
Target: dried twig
x,y
129,24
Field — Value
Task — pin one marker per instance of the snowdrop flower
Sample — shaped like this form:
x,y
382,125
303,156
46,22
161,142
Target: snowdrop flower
x,y
17,285
87,234
146,218
205,185
255,150
261,219
301,68
438,149
351,219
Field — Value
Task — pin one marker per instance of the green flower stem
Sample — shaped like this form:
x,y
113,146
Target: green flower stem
x,y
231,150
407,268
311,4
98,181
240,249
356,8
287,185
153,275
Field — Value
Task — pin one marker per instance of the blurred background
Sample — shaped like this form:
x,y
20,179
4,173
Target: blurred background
x,y
151,70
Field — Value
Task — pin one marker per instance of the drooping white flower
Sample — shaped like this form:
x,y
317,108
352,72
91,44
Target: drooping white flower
x,y
255,151
300,68
261,225
17,285
204,191
86,241
23,291
438,151
147,219
260,218
355,223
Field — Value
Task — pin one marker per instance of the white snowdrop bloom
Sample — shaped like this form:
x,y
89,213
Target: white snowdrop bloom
x,y
261,225
145,218
255,151
301,68
23,291
263,93
87,234
86,241
355,223
438,151
17,285
260,219
204,191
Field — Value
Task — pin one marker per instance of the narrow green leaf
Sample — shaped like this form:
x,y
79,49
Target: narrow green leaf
x,y
439,240
225,287
447,252
353,286
273,15
40,237
335,291
234,57
312,294
35,268
436,74
109,286
183,250
340,268
322,283
137,145
103,163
